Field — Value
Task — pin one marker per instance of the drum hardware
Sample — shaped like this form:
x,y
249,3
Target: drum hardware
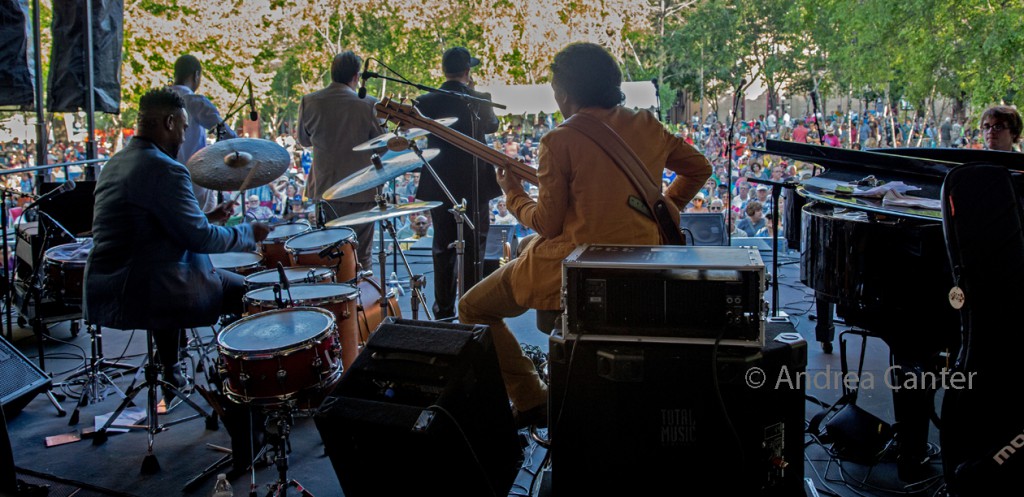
x,y
285,287
96,382
153,425
417,291
417,283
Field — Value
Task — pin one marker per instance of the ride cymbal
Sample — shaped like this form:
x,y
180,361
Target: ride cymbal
x,y
225,165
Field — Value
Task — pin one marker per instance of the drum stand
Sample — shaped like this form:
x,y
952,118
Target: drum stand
x,y
278,429
461,219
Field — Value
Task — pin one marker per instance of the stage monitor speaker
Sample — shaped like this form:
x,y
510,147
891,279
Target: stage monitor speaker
x,y
422,411
649,418
494,250
704,229
17,62
67,85
22,379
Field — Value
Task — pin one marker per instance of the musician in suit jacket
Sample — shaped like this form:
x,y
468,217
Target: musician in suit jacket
x,y
583,197
333,121
148,268
456,171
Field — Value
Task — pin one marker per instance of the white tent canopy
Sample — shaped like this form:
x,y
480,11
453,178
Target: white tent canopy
x,y
534,99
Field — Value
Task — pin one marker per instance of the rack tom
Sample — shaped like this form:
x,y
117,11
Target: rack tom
x,y
272,247
243,263
295,275
337,244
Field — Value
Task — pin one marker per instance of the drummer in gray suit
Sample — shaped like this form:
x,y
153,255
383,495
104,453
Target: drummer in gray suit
x,y
333,121
148,268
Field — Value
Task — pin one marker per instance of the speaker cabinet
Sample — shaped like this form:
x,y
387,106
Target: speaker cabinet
x,y
17,64
22,379
704,228
422,411
650,418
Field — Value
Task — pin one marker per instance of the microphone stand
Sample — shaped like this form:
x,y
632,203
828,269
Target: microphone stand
x,y
459,211
776,191
728,155
430,89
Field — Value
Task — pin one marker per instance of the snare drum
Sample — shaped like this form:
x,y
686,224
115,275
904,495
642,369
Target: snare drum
x,y
243,263
65,270
338,298
369,311
281,355
295,275
273,247
305,250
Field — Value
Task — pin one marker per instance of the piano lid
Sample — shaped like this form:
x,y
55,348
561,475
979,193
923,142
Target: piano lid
x,y
922,168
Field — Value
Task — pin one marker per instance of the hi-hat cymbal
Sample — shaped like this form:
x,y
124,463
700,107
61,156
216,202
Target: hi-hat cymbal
x,y
409,134
393,165
225,165
378,214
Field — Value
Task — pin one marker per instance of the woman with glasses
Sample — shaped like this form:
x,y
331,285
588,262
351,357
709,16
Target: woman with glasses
x,y
1001,128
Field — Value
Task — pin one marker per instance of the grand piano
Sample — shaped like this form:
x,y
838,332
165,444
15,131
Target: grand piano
x,y
884,266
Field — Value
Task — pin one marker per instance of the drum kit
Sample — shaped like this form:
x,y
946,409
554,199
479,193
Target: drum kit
x,y
310,312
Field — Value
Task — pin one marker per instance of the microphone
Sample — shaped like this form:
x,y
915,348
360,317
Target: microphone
x,y
253,115
330,251
364,76
65,187
281,276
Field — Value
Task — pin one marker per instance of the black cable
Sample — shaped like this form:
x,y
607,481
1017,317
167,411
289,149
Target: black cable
x,y
469,445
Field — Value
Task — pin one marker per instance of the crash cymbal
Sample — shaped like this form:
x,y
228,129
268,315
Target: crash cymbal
x,y
225,165
392,165
378,214
409,134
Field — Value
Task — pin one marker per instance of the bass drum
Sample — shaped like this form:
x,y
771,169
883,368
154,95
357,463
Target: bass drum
x,y
368,312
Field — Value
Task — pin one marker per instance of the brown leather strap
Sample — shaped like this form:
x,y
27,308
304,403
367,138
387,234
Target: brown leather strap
x,y
664,212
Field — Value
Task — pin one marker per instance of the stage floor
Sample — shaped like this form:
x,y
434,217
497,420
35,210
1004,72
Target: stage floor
x,y
185,450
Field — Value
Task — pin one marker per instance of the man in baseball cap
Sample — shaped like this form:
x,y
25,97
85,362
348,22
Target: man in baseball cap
x,y
457,60
456,170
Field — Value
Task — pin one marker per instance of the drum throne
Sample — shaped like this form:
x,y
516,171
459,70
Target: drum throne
x,y
152,380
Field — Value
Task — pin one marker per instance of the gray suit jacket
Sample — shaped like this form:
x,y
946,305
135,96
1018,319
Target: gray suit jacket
x,y
332,121
148,268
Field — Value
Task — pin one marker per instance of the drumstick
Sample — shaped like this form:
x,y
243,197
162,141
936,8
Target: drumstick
x,y
245,184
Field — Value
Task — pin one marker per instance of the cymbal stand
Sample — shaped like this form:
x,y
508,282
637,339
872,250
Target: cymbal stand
x,y
417,293
461,220
416,283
